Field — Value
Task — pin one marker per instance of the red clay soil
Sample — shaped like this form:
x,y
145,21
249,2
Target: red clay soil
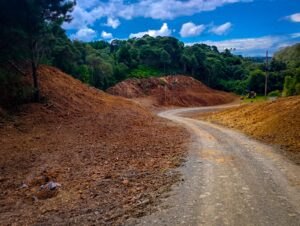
x,y
107,158
275,122
179,90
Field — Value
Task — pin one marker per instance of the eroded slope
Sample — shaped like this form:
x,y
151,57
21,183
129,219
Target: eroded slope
x,y
277,122
110,156
176,90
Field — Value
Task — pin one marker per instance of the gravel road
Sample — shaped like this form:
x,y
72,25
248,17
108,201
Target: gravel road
x,y
229,179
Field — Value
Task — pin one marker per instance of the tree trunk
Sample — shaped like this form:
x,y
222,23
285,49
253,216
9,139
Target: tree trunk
x,y
36,95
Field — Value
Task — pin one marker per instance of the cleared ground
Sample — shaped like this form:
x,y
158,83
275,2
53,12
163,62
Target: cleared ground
x,y
180,91
275,122
111,157
229,179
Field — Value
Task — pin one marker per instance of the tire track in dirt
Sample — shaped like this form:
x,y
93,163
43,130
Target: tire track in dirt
x,y
229,179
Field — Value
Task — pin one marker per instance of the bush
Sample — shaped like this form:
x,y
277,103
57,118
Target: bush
x,y
144,72
13,90
275,93
297,89
289,86
257,81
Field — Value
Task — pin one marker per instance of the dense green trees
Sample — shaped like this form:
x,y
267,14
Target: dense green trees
x,y
257,81
103,64
26,29
31,34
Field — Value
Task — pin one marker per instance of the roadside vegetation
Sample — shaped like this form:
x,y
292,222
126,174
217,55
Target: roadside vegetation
x,y
33,38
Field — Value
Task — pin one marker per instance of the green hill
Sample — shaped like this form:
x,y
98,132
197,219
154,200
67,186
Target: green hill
x,y
289,55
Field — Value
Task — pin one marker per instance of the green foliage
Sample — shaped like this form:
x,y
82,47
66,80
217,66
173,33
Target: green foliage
x,y
121,72
291,86
275,93
31,31
144,72
13,91
257,99
289,55
27,29
236,86
257,81
297,89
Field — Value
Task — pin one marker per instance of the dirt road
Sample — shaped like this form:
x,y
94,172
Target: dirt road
x,y
229,179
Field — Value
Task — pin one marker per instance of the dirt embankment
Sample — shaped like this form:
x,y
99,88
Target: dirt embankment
x,y
276,122
180,91
83,157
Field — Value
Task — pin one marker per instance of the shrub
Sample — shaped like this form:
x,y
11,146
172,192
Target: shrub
x,y
275,93
297,89
13,90
144,72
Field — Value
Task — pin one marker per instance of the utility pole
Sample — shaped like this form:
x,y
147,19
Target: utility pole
x,y
267,72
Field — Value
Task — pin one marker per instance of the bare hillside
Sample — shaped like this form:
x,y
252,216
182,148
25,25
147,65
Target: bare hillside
x,y
83,157
277,122
177,90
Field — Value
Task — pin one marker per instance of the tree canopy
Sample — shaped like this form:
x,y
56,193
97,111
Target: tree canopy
x,y
31,34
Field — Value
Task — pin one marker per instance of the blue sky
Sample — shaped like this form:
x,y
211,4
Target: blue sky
x,y
249,27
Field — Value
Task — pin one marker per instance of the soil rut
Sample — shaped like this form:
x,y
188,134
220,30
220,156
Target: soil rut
x,y
229,179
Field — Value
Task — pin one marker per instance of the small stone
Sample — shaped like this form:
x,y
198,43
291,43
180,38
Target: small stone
x,y
23,185
125,182
50,185
34,198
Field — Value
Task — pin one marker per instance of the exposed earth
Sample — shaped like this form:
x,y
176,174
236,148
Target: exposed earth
x,y
180,91
275,122
229,179
89,158
83,157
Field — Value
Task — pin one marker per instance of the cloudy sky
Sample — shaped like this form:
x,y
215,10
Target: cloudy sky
x,y
249,27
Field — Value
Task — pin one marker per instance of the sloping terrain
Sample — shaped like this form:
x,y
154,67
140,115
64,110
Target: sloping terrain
x,y
83,157
177,90
276,122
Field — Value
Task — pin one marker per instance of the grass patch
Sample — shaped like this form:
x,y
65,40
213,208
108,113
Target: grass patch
x,y
255,100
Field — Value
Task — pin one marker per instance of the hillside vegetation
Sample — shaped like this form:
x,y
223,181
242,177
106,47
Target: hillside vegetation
x,y
35,36
111,157
289,55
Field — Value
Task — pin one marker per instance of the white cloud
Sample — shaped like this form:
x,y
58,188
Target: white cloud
x,y
86,13
81,19
295,35
114,23
222,29
190,29
106,35
84,34
294,17
245,44
252,46
163,31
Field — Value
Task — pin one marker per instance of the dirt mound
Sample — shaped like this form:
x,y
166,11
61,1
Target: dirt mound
x,y
276,122
176,90
83,157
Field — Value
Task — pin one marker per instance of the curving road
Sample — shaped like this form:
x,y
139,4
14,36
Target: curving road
x,y
229,179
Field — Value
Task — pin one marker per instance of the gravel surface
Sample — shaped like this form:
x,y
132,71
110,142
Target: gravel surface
x,y
229,179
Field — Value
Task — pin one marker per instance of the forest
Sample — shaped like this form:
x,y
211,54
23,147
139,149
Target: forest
x,y
35,37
